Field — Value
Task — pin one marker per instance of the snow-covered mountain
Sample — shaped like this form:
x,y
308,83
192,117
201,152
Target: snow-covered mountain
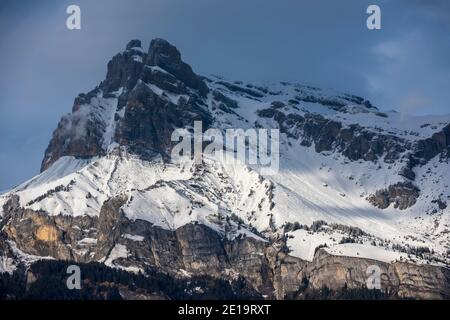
x,y
354,183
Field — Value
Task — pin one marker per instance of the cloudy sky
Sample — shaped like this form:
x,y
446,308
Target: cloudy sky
x,y
404,66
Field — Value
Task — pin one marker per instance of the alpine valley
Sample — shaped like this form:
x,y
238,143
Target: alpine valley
x,y
357,190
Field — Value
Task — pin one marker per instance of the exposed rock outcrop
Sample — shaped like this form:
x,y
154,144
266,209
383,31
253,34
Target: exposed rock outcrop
x,y
429,148
162,54
328,135
149,121
402,194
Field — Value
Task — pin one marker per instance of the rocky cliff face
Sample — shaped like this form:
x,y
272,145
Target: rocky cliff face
x,y
403,195
356,187
195,250
327,135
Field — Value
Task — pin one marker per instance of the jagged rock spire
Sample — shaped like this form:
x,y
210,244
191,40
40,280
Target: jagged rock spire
x,y
134,44
145,125
162,54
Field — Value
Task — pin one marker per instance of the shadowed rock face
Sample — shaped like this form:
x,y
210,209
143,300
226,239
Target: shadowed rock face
x,y
149,121
431,147
403,195
162,54
125,68
354,142
76,135
199,250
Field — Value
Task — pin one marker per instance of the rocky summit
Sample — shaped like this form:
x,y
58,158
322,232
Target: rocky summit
x,y
359,192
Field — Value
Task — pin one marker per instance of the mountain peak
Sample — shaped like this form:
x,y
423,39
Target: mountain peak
x,y
126,68
134,44
110,112
161,50
166,56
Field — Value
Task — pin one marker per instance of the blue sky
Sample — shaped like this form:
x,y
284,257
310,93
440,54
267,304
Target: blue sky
x,y
404,66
